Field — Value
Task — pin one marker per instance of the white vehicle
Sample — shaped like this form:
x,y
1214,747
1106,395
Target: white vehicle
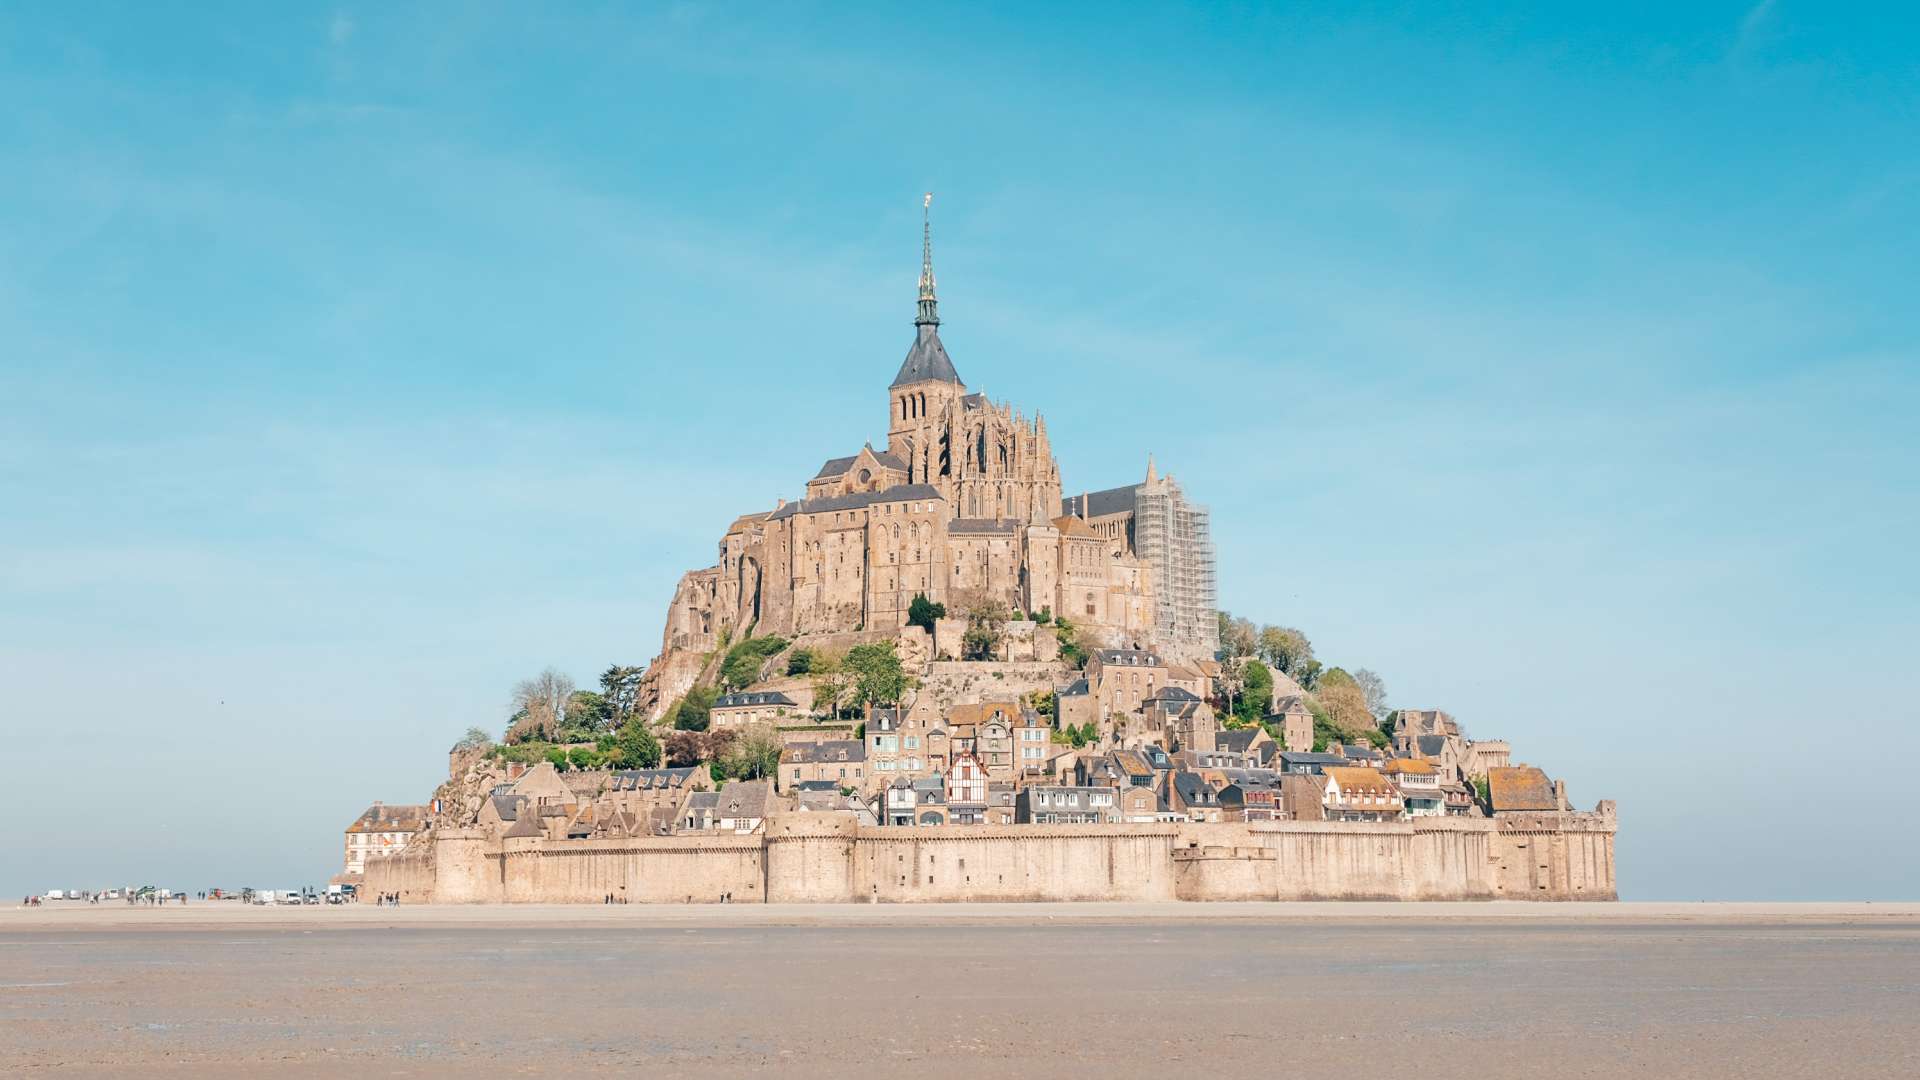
x,y
110,894
263,896
56,894
290,896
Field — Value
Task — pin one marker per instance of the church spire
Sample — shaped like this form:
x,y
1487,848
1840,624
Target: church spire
x,y
929,304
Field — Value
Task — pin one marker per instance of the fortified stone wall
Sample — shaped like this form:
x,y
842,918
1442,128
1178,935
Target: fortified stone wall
x,y
827,858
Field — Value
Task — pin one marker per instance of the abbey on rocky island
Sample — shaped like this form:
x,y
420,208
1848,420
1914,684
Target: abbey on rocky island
x,y
964,506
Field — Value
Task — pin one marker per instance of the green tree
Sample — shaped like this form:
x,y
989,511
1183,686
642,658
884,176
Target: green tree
x,y
1288,650
1345,704
1044,616
1042,702
754,755
583,757
637,746
831,681
800,662
620,686
474,739
694,712
587,715
1256,691
558,756
878,678
741,668
922,612
1070,648
986,624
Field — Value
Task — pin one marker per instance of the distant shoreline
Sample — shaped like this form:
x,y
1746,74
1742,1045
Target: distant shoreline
x,y
62,916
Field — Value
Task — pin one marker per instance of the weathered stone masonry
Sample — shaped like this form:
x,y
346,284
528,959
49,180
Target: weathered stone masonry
x,y
824,858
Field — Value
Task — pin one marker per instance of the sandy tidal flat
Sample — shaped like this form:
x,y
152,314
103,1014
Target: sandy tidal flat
x,y
1483,991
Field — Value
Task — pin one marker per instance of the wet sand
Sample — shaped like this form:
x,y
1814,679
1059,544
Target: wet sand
x,y
1433,991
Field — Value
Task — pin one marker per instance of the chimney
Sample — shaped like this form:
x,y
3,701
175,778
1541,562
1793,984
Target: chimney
x,y
1560,794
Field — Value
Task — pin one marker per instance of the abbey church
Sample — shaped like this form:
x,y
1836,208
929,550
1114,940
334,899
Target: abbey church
x,y
963,504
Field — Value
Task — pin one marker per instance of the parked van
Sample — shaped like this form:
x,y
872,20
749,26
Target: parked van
x,y
56,894
263,896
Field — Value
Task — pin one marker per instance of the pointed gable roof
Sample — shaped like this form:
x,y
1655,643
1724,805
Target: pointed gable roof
x,y
927,360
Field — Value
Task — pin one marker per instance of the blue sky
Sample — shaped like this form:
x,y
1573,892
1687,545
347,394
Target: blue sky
x,y
1560,364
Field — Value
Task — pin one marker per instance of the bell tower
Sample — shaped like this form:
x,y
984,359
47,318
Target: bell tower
x,y
921,395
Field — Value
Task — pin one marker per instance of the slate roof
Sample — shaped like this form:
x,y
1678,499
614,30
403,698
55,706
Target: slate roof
x,y
1430,745
1520,787
1237,741
836,467
1174,693
1292,703
824,751
1129,658
897,493
926,360
650,779
1192,790
1078,688
1118,500
757,697
1290,760
839,466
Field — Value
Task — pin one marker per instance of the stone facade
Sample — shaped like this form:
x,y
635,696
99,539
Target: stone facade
x,y
830,858
962,505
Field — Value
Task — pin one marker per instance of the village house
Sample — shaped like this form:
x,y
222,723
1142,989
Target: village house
x,y
1365,756
897,746
1032,745
1419,784
1047,804
1001,797
1295,722
985,730
966,790
739,807
1253,744
913,802
1303,796
1121,680
1361,794
841,762
1189,795
753,707
381,829
1139,804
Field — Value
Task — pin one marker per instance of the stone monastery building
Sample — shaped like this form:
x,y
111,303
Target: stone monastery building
x,y
964,505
